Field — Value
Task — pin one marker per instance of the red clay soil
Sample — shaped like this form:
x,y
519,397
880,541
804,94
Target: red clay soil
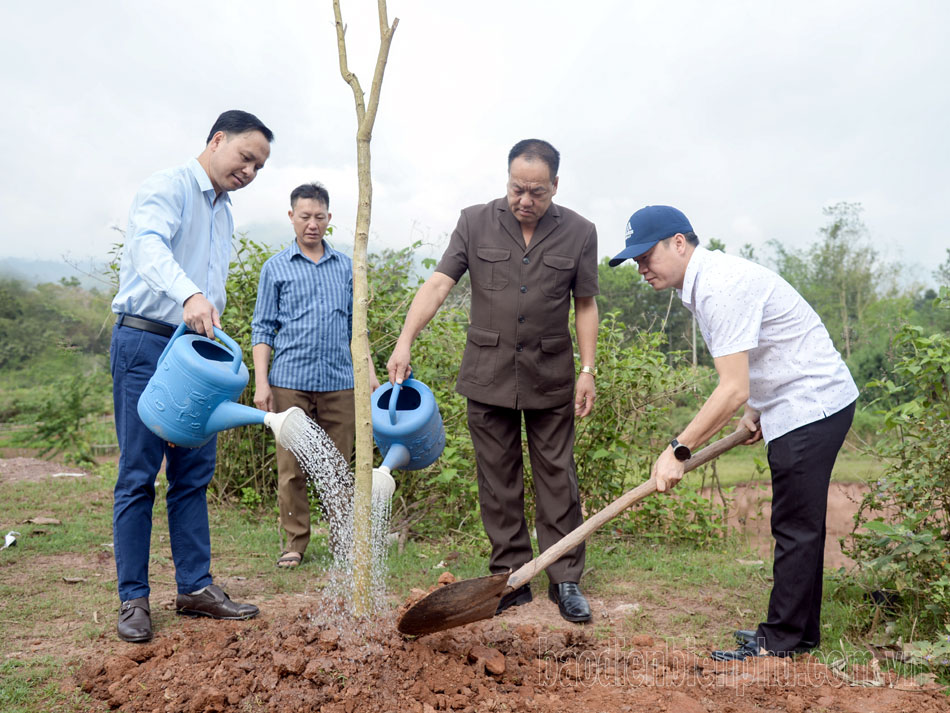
x,y
301,663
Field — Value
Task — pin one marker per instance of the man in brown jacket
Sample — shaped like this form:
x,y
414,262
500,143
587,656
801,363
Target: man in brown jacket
x,y
526,258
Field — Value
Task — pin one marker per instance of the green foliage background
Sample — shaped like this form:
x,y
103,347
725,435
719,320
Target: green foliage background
x,y
902,530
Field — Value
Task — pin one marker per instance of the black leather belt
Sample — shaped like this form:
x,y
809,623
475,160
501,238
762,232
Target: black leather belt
x,y
145,324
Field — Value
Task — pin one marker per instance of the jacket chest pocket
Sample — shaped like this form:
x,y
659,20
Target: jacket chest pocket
x,y
490,269
557,274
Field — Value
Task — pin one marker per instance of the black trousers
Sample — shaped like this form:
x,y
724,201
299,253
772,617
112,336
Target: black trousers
x,y
801,462
496,435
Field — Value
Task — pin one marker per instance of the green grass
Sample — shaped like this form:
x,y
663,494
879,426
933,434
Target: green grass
x,y
28,686
418,564
83,505
748,464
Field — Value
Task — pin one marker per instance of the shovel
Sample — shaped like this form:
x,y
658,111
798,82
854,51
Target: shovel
x,y
471,600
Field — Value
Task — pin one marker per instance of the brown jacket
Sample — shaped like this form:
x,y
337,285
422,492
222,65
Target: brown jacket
x,y
519,352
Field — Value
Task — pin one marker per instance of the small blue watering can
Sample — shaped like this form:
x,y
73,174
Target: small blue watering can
x,y
191,396
407,426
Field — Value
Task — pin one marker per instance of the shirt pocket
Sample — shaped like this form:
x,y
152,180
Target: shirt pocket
x,y
339,299
289,301
557,274
481,354
491,268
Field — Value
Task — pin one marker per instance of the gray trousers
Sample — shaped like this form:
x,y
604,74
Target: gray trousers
x,y
496,435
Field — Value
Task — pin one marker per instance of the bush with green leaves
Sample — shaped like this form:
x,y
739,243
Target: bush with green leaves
x,y
66,420
246,456
902,529
617,445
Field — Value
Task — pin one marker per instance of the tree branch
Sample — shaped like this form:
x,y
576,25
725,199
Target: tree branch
x,y
348,76
385,40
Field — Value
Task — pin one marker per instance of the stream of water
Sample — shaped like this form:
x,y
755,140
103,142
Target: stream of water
x,y
332,481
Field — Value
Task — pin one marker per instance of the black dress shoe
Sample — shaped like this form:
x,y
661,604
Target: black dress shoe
x,y
135,621
743,635
570,602
214,602
746,650
748,635
515,598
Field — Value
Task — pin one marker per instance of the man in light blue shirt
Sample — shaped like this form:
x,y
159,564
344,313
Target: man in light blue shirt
x,y
174,267
304,316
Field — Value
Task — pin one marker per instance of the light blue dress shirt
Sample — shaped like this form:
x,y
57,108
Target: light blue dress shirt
x,y
304,311
178,243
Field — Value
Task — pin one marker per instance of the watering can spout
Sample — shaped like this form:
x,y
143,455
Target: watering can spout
x,y
397,457
228,414
384,485
277,421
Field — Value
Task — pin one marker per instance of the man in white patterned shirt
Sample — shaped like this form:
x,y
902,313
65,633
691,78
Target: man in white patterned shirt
x,y
774,356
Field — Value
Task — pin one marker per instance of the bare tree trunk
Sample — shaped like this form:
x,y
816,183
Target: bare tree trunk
x,y
365,118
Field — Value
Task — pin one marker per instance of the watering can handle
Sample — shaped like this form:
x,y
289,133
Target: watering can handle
x,y
233,346
393,399
228,342
178,332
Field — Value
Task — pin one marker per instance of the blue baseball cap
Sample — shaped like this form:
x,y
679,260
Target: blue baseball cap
x,y
647,227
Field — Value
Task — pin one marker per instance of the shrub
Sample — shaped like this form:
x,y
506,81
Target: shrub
x,y
246,456
902,528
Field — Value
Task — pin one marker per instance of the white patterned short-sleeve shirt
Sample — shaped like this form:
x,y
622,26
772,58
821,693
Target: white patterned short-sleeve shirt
x,y
796,376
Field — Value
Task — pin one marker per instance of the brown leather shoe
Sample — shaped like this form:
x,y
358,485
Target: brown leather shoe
x,y
135,621
214,602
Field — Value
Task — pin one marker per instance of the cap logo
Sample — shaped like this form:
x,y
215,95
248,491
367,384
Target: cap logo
x,y
629,232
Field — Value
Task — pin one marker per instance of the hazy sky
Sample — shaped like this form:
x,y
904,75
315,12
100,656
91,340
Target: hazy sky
x,y
749,116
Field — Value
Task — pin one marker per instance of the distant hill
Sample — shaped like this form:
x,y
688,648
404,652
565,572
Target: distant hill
x,y
34,272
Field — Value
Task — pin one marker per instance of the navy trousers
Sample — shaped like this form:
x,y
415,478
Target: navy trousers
x,y
801,462
134,354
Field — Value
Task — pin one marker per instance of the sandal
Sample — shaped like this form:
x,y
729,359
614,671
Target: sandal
x,y
289,560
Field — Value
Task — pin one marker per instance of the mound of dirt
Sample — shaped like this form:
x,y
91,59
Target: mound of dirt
x,y
303,663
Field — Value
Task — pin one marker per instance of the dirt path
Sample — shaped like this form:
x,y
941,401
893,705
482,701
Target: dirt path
x,y
750,508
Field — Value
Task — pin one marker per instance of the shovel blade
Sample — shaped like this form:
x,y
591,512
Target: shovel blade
x,y
454,604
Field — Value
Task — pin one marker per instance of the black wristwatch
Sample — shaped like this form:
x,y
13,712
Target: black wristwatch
x,y
680,452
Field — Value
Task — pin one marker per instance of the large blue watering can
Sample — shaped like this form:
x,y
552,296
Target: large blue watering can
x,y
407,426
192,394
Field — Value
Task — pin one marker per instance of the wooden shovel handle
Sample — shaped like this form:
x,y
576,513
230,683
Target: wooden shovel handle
x,y
526,572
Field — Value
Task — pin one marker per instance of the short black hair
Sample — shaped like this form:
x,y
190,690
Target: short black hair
x,y
314,191
235,121
533,149
691,238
